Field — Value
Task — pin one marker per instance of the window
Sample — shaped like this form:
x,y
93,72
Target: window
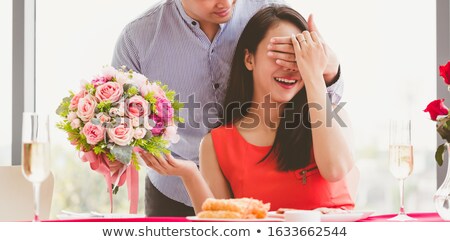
x,y
6,89
385,58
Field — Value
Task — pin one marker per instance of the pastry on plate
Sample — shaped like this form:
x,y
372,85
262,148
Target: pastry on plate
x,y
234,208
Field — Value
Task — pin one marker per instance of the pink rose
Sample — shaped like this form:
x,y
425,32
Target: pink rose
x,y
76,98
137,106
103,117
158,128
86,108
113,112
94,133
100,80
75,124
139,133
164,109
444,71
111,91
436,108
71,116
154,88
121,134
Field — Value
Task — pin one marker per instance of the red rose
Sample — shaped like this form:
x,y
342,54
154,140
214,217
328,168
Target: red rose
x,y
436,108
445,73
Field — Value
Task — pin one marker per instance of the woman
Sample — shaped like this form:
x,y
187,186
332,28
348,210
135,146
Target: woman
x,y
272,145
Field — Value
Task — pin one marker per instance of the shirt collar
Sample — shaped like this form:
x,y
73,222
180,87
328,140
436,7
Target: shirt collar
x,y
190,20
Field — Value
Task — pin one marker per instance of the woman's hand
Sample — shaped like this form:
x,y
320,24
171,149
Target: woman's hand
x,y
310,56
282,50
167,165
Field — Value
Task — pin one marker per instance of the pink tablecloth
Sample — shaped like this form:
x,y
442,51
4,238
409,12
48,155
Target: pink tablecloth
x,y
149,219
421,217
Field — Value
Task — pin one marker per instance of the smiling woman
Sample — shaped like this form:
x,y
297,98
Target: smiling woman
x,y
376,54
5,91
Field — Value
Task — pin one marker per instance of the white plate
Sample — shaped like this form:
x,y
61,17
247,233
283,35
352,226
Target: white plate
x,y
341,217
351,216
268,219
274,214
366,213
74,215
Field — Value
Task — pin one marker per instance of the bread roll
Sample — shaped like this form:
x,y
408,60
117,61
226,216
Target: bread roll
x,y
235,208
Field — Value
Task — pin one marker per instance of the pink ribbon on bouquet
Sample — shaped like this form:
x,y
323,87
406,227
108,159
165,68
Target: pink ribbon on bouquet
x,y
102,165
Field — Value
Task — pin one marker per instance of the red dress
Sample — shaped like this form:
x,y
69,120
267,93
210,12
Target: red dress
x,y
301,189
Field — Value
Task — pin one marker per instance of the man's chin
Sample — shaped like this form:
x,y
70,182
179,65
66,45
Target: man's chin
x,y
223,20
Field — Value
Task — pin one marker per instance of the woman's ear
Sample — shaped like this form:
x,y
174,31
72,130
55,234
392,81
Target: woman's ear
x,y
248,60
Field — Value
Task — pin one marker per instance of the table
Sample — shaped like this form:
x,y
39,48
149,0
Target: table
x,y
421,217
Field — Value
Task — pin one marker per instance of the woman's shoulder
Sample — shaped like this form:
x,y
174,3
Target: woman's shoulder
x,y
222,130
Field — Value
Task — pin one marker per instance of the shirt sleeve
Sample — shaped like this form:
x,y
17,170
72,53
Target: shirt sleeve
x,y
336,90
125,53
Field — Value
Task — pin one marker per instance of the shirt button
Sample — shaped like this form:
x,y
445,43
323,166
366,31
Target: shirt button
x,y
194,23
216,85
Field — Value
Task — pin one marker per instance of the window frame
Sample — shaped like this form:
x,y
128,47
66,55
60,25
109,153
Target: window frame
x,y
442,57
23,70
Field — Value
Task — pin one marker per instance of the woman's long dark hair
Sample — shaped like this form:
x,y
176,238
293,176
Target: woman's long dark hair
x,y
293,140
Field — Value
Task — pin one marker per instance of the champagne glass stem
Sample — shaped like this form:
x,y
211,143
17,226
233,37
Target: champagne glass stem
x,y
36,191
402,201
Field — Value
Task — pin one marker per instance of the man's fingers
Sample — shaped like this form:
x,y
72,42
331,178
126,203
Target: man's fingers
x,y
315,37
312,26
282,56
287,64
281,40
287,48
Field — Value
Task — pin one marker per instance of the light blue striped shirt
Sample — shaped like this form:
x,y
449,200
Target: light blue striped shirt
x,y
166,44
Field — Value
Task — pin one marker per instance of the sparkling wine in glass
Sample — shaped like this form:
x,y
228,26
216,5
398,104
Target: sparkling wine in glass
x,y
400,159
35,153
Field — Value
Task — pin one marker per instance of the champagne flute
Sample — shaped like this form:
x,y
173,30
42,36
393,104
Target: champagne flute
x,y
400,159
35,153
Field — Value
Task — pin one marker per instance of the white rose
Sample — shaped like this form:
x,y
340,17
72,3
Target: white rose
x,y
171,134
139,79
109,72
139,133
122,77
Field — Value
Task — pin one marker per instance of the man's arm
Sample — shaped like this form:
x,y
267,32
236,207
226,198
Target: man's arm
x,y
126,53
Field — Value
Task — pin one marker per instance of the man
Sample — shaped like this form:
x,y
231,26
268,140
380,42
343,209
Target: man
x,y
189,45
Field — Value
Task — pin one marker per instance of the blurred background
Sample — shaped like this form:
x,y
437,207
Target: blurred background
x,y
388,64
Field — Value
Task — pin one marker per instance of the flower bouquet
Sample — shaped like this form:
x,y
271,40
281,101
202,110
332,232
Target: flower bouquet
x,y
115,115
439,113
